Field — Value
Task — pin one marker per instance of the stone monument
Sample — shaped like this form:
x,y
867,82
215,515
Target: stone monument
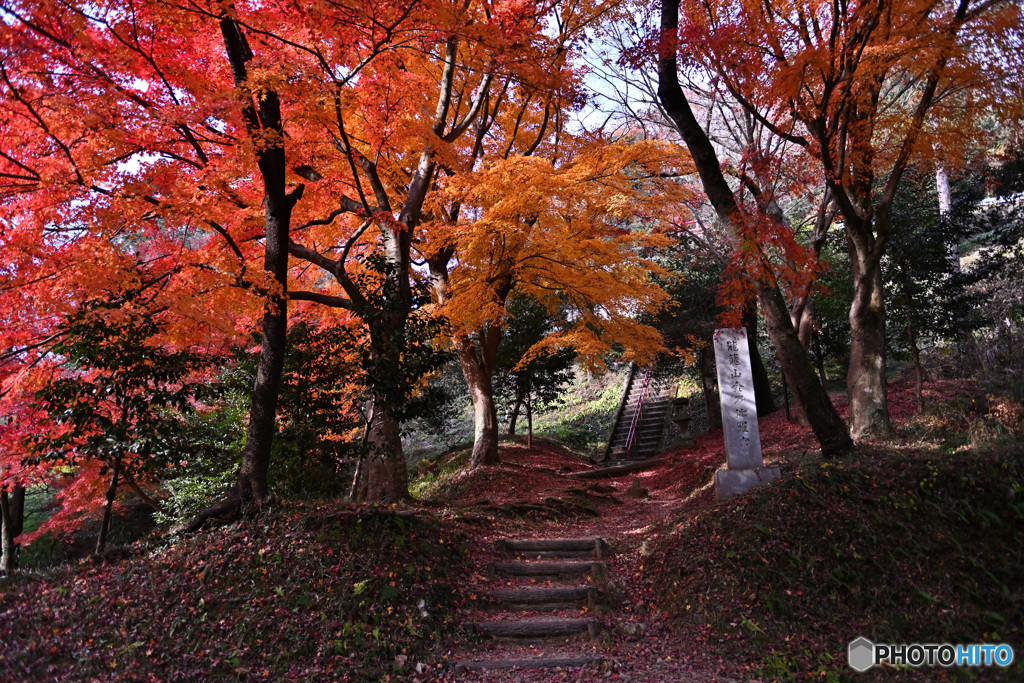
x,y
744,464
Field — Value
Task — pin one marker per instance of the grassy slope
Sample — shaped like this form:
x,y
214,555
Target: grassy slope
x,y
905,542
306,593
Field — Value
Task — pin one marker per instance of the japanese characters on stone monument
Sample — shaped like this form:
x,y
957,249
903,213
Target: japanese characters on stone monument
x,y
745,465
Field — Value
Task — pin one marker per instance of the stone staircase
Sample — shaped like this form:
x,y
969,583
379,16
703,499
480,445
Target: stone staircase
x,y
558,577
650,429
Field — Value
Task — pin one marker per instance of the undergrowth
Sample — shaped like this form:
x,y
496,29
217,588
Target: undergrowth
x,y
898,544
582,419
303,593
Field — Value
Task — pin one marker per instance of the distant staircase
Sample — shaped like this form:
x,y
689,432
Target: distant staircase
x,y
643,416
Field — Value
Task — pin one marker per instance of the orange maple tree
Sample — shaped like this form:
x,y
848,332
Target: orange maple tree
x,y
559,234
247,156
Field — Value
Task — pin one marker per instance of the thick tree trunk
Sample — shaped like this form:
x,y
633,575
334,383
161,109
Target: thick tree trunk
x,y
485,423
709,385
477,362
108,508
762,385
251,485
865,382
12,520
252,475
387,479
802,317
829,429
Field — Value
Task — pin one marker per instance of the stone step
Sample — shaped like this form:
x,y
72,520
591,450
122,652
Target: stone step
x,y
535,628
647,417
529,663
556,555
615,470
597,546
648,442
649,408
544,598
645,430
547,569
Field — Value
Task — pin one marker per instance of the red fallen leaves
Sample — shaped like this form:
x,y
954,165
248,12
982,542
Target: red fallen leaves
x,y
212,607
684,580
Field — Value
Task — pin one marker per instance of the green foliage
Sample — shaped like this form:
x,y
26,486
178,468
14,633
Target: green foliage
x,y
832,299
317,409
123,392
925,286
691,316
447,425
582,418
205,469
545,374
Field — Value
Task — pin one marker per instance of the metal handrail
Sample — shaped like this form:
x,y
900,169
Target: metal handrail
x,y
620,406
631,435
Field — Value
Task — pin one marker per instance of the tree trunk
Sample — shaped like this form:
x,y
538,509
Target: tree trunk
x,y
514,415
819,358
476,372
251,485
945,204
915,352
7,561
865,382
265,127
709,384
802,317
12,519
762,385
387,479
829,429
529,419
101,540
477,362
915,355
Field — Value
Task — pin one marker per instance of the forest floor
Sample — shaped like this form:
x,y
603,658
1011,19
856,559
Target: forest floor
x,y
702,590
915,538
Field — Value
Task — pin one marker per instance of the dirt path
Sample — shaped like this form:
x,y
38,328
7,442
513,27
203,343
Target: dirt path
x,y
529,496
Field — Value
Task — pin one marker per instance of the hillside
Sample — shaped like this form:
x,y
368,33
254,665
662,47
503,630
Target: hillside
x,y
916,539
306,592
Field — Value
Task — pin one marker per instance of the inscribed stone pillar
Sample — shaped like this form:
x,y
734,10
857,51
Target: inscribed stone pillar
x,y
745,465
